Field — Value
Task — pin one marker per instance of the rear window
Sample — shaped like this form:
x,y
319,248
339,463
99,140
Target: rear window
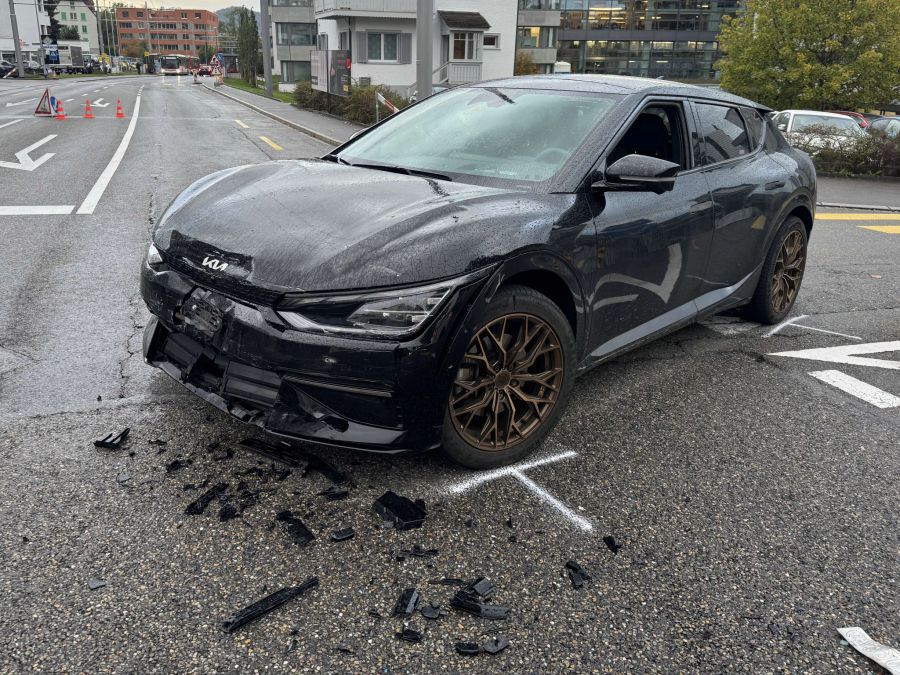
x,y
724,134
843,125
755,124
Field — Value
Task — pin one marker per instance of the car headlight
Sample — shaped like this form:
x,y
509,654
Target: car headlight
x,y
392,313
153,256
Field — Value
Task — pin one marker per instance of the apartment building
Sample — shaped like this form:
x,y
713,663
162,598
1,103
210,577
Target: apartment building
x,y
650,38
82,16
167,31
474,40
293,35
33,23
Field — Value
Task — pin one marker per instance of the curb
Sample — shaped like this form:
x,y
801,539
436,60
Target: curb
x,y
863,207
277,118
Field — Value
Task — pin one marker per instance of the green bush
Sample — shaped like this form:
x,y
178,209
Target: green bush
x,y
310,99
869,155
359,106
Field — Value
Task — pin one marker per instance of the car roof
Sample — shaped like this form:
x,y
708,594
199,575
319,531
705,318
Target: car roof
x,y
820,113
618,84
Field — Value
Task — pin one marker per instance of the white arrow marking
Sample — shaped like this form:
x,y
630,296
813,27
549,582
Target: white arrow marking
x,y
9,124
858,388
97,103
25,162
31,100
847,354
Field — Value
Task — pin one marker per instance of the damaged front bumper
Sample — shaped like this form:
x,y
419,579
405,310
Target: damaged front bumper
x,y
384,396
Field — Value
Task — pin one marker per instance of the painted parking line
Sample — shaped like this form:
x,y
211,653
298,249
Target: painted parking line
x,y
271,143
885,229
9,124
242,125
517,471
861,390
36,210
858,216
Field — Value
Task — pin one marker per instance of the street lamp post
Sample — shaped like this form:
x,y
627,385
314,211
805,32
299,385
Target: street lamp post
x,y
15,32
266,45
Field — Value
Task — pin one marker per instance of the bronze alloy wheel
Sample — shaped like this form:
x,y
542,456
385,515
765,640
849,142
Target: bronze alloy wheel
x,y
788,272
508,383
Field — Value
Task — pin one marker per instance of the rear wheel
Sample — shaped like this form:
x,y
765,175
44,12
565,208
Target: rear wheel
x,y
512,383
782,274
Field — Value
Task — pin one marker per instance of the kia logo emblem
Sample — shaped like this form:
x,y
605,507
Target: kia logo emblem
x,y
214,264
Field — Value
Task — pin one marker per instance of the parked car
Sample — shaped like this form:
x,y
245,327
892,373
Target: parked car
x,y
205,70
441,279
889,126
8,68
815,130
871,117
861,119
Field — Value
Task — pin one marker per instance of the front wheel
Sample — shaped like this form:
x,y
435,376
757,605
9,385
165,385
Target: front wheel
x,y
513,381
781,276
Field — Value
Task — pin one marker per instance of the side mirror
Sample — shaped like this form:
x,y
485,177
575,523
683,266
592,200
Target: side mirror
x,y
639,173
782,127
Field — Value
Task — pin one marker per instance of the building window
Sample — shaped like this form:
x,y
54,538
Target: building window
x,y
62,16
125,14
291,3
533,37
139,14
184,15
381,46
295,34
464,46
82,17
322,41
84,29
491,42
295,71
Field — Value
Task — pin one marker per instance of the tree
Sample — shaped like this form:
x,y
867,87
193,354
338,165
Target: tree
x,y
205,53
231,22
248,46
135,50
50,6
524,64
68,33
819,54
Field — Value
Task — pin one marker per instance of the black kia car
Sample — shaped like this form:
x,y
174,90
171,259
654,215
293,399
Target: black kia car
x,y
441,279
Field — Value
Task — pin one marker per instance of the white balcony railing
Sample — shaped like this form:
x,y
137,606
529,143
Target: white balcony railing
x,y
357,7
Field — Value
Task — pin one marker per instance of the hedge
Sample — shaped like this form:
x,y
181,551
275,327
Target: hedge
x,y
359,106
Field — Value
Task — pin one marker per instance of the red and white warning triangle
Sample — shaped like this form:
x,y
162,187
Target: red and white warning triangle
x,y
44,109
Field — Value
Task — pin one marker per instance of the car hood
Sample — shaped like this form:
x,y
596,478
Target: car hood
x,y
314,225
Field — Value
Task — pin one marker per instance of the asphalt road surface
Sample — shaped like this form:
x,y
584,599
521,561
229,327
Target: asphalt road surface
x,y
754,495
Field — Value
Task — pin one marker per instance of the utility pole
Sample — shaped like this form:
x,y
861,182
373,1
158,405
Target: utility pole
x,y
424,48
15,32
266,44
99,17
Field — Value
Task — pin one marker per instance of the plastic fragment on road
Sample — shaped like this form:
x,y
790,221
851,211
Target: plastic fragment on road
x,y
447,581
612,544
886,657
267,604
343,535
236,505
178,465
468,648
407,602
409,635
196,486
471,599
198,506
495,645
95,584
577,574
113,441
335,493
432,611
295,528
398,512
418,551
288,454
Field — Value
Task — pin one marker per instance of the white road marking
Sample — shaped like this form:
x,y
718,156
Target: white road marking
x,y
90,202
9,124
30,100
884,656
97,103
848,354
858,388
25,162
822,330
784,324
517,472
68,99
35,210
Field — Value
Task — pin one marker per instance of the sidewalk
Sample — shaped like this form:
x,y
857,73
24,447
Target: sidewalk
x,y
324,127
859,193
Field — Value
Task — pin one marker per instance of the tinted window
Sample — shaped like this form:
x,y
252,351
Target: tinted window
x,y
723,133
755,124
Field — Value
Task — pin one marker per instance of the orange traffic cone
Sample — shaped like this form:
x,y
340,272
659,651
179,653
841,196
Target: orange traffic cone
x,y
119,112
60,113
88,115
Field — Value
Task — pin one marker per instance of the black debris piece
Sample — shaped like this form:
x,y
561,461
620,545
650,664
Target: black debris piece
x,y
178,464
198,506
417,551
314,463
375,613
471,599
94,584
469,522
577,574
513,539
157,441
113,441
123,478
399,512
228,512
468,648
228,453
160,450
484,588
612,544
509,523
407,602
335,493
345,649
295,528
213,445
267,604
447,581
495,645
196,486
235,505
287,454
343,535
281,474
410,635
292,646
432,611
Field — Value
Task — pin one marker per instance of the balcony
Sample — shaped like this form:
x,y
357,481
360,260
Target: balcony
x,y
332,9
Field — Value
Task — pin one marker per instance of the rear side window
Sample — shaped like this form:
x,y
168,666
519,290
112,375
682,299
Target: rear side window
x,y
755,124
724,134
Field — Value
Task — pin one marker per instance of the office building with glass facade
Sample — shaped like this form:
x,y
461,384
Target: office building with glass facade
x,y
675,39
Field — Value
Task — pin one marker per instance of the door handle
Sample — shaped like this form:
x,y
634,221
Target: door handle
x,y
774,185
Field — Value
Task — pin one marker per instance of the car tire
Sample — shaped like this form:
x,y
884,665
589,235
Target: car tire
x,y
513,382
781,276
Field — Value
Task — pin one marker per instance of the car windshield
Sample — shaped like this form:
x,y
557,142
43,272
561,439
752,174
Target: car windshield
x,y
486,135
842,125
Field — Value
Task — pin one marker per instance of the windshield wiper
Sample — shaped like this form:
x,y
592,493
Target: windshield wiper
x,y
403,169
331,157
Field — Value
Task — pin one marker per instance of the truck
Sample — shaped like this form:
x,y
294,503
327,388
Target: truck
x,y
70,57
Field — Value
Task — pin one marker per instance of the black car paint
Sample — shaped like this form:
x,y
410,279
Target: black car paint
x,y
624,266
